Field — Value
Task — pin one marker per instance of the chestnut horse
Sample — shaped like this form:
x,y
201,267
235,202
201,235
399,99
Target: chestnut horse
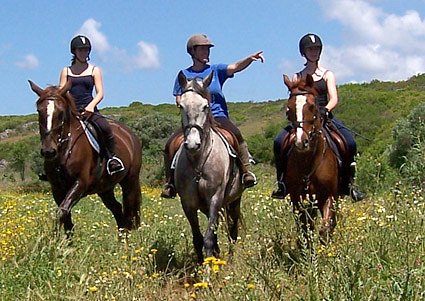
x,y
312,175
207,178
74,169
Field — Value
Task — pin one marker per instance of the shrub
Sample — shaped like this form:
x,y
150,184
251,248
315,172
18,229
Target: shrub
x,y
406,153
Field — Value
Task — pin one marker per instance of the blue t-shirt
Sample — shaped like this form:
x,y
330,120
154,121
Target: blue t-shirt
x,y
218,101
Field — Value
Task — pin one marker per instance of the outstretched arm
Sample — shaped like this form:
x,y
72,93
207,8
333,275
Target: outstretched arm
x,y
244,63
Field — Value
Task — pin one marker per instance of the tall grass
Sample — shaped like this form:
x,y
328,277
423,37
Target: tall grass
x,y
377,252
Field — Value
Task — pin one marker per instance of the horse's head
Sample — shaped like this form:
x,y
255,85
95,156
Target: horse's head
x,y
195,110
302,111
55,107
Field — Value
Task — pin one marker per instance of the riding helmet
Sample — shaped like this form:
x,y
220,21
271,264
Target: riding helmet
x,y
198,40
310,40
80,41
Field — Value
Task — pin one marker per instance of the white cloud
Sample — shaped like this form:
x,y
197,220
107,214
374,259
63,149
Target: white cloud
x,y
147,56
30,61
90,28
376,44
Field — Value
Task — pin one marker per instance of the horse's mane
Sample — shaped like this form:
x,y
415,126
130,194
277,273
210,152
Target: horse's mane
x,y
55,92
205,93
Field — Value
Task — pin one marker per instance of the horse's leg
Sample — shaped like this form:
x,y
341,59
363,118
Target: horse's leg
x,y
74,194
198,239
131,195
210,238
233,214
328,219
64,220
303,221
108,198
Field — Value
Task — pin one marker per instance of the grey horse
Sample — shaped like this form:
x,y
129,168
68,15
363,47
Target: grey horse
x,y
207,177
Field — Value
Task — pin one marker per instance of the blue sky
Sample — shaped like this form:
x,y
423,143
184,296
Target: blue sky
x,y
140,45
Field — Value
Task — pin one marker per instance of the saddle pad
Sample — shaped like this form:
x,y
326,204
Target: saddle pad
x,y
88,129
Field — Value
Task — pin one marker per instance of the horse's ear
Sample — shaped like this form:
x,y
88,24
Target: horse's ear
x,y
287,81
37,90
309,81
207,81
65,88
182,79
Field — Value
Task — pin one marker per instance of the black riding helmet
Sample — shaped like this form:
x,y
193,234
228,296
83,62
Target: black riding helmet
x,y
80,41
310,40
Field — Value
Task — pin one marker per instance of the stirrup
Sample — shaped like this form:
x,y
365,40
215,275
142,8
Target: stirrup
x,y
42,177
111,172
249,183
356,195
169,191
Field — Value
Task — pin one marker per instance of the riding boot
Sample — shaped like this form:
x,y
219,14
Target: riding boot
x,y
248,177
169,190
280,192
113,163
355,193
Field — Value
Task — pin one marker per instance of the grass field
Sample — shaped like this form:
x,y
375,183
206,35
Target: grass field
x,y
377,252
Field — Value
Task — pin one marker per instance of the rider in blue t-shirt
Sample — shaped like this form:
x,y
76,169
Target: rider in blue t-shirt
x,y
198,47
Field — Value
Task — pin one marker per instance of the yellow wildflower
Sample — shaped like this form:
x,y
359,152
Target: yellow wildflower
x,y
201,285
92,289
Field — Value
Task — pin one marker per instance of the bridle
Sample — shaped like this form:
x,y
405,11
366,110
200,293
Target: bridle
x,y
299,123
188,127
64,135
202,134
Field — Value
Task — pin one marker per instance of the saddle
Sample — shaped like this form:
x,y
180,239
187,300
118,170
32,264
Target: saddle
x,y
228,138
335,140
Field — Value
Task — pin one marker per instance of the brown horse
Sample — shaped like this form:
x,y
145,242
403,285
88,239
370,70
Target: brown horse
x,y
312,175
74,169
207,178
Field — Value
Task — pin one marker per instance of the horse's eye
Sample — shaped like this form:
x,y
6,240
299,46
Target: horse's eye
x,y
206,107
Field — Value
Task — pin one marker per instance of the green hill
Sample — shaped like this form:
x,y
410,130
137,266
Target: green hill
x,y
371,110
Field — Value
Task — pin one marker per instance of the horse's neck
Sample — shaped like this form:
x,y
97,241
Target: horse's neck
x,y
313,157
72,133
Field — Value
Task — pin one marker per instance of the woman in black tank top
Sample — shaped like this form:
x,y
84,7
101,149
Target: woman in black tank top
x,y
310,47
86,77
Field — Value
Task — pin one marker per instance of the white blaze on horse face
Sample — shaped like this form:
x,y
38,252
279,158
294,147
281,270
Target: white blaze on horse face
x,y
50,110
299,103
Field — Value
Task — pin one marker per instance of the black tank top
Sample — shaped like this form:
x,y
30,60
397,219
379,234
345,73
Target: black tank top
x,y
81,89
322,90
